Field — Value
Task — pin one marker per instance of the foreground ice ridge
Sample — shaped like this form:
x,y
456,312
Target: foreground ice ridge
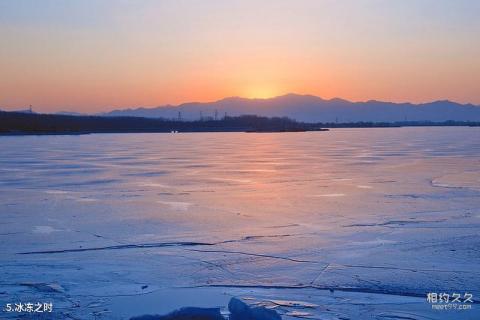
x,y
239,310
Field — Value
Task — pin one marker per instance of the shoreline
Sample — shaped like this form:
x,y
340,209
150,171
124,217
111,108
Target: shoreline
x,y
324,129
17,124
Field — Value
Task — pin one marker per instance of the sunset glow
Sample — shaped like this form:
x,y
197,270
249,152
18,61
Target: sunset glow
x,y
260,92
92,56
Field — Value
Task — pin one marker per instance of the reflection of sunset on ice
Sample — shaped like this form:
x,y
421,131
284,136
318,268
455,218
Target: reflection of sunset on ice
x,y
195,219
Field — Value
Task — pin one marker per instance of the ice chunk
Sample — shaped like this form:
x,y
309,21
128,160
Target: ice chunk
x,y
239,310
188,313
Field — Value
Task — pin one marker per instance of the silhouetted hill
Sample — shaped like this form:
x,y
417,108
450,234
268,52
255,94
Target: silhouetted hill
x,y
309,108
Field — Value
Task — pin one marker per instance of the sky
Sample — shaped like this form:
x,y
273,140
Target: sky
x,y
93,56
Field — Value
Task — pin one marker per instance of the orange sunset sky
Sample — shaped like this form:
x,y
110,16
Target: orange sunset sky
x,y
92,56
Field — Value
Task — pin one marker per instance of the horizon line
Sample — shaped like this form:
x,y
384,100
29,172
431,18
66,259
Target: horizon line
x,y
169,105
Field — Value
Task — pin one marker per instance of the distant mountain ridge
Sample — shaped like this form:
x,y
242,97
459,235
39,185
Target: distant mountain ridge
x,y
310,108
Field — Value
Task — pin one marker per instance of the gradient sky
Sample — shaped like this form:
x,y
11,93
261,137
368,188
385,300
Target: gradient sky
x,y
92,56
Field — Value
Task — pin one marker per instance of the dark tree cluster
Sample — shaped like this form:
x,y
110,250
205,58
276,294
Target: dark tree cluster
x,y
33,123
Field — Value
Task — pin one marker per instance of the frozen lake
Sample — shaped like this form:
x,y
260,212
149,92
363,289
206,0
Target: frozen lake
x,y
358,223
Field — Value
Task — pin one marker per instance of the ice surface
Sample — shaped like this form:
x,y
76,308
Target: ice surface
x,y
357,223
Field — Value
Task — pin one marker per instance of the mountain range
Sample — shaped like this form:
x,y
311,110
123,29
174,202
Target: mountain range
x,y
308,108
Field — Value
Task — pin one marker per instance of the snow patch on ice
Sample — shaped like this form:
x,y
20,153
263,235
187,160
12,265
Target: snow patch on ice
x,y
45,229
232,180
56,191
176,205
44,287
364,187
86,200
330,195
154,185
298,314
373,242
